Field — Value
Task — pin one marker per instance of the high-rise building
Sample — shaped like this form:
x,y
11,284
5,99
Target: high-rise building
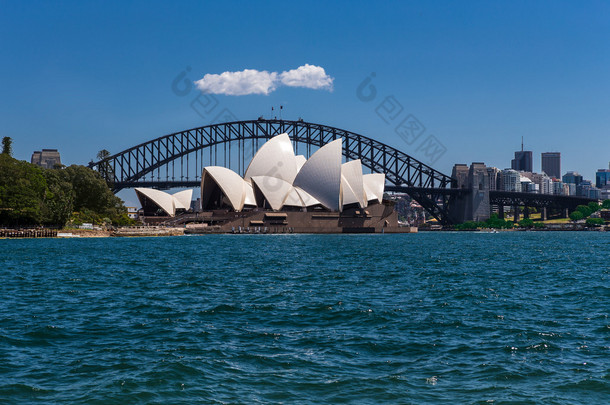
x,y
602,178
559,188
493,175
528,186
523,160
48,158
586,189
544,182
510,180
572,178
551,164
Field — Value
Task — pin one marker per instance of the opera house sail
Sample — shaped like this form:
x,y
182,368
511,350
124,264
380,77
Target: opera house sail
x,y
156,202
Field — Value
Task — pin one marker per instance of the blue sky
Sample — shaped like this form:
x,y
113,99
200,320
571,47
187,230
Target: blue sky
x,y
83,76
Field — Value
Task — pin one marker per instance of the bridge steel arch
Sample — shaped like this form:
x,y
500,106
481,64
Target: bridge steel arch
x,y
137,166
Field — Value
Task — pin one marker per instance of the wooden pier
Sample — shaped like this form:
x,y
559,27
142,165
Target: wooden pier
x,y
28,233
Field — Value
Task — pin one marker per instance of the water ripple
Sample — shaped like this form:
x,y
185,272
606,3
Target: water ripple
x,y
428,318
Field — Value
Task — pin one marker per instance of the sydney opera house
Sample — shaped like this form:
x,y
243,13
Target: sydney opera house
x,y
285,192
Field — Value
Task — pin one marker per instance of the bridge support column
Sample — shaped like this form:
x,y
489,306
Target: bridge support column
x,y
564,213
526,212
543,215
516,213
501,211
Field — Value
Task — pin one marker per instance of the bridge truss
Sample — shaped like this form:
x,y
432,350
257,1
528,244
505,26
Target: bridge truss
x,y
177,159
551,201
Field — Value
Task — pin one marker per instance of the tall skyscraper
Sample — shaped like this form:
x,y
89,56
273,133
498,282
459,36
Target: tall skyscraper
x,y
602,178
523,160
572,178
551,164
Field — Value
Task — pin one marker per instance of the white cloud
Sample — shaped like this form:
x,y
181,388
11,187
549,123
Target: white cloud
x,y
248,81
251,81
310,76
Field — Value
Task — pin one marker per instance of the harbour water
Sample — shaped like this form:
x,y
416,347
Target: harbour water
x,y
512,317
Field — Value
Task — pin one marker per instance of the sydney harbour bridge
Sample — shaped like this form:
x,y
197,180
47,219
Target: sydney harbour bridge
x,y
177,160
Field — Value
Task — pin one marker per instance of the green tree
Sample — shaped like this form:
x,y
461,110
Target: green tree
x,y
22,191
576,216
495,222
7,146
526,223
467,226
58,201
584,210
606,204
90,190
595,221
92,194
104,168
30,195
594,207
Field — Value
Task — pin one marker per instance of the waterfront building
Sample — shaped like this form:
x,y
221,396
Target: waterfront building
x,y
551,164
510,180
572,178
159,203
276,179
281,192
47,158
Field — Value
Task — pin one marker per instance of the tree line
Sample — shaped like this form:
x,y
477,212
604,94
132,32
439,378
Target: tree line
x,y
31,195
585,211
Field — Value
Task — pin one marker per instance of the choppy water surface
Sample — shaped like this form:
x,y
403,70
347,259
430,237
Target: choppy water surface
x,y
426,318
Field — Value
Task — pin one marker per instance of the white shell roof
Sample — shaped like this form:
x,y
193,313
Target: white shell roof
x,y
351,175
249,199
293,199
300,159
182,199
275,158
231,184
320,176
275,190
374,184
297,197
347,194
164,200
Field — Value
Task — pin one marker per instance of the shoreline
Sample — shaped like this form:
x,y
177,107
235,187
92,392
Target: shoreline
x,y
139,232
